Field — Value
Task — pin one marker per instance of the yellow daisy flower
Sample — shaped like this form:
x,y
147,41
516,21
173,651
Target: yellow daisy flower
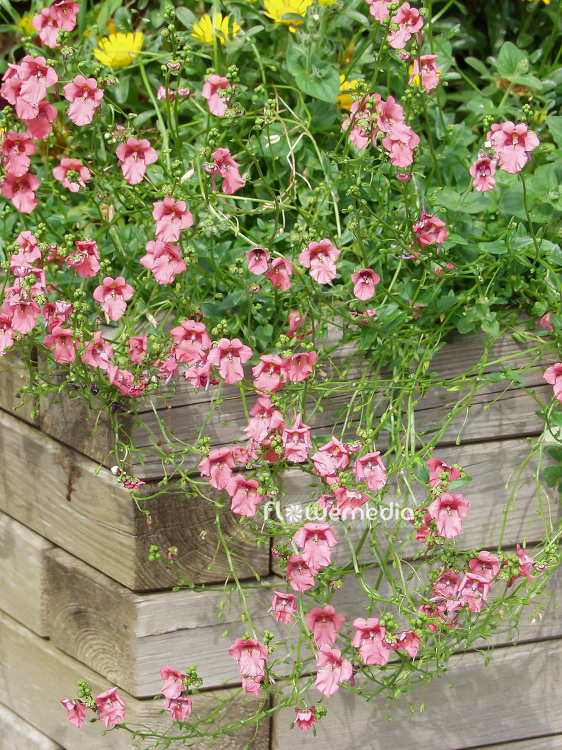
x,y
546,2
344,99
205,31
326,2
25,25
276,9
119,49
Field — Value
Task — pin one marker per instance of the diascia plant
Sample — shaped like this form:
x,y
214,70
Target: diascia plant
x,y
295,203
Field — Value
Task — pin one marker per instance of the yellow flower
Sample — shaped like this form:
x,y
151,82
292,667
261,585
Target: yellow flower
x,y
205,31
276,9
25,25
344,99
119,49
546,2
326,2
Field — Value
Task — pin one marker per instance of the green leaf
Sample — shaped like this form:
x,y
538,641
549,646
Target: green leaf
x,y
106,11
555,452
552,475
473,203
322,84
491,327
529,81
478,65
186,17
554,124
121,89
458,483
495,248
512,61
295,58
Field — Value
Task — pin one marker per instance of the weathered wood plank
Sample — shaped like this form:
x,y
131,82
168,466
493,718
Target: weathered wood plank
x,y
492,466
517,696
182,411
126,637
14,375
36,675
58,493
24,574
17,734
554,742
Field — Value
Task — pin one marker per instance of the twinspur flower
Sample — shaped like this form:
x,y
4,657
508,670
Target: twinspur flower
x,y
118,50
222,28
277,9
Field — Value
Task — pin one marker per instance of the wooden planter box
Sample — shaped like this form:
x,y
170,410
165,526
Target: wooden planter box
x,y
79,597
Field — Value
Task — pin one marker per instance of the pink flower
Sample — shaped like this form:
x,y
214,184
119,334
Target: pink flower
x,y
135,155
546,322
65,12
180,707
305,718
526,563
213,84
429,229
113,295
171,218
408,641
472,590
74,183
271,373
299,574
264,419
61,339
330,458
257,260
76,711
279,271
251,685
172,682
250,655
283,607
441,473
485,565
400,143
111,709
47,26
229,356
6,334
371,469
448,511
445,584
316,539
17,148
85,260
21,191
296,441
84,97
138,346
300,366
482,171
244,494
379,9
320,257
370,640
218,465
332,670
163,260
97,352
410,22
225,167
429,72
512,144
324,624
365,282
553,375
36,77
39,125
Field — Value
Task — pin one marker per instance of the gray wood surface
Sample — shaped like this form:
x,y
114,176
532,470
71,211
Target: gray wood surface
x,y
60,495
35,675
23,581
483,706
17,734
14,375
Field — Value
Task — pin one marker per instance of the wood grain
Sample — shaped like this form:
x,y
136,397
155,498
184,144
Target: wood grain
x,y
24,574
14,375
554,742
483,706
17,734
36,675
60,495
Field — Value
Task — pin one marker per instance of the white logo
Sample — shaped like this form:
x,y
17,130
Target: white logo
x,y
293,513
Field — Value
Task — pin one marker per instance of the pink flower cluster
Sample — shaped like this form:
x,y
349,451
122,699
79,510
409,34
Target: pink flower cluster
x,y
320,258
429,230
174,690
278,271
407,19
553,376
60,16
109,706
227,168
250,655
162,257
373,115
445,514
510,146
